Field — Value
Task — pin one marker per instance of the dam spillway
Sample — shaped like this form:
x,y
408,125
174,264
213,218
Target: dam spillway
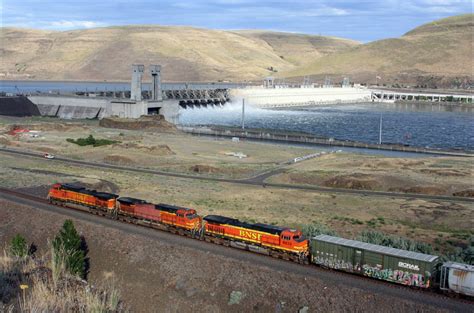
x,y
262,97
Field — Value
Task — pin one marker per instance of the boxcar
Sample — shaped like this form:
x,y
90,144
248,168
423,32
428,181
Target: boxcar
x,y
458,278
394,265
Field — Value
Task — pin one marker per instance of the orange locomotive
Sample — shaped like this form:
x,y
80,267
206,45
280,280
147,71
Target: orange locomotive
x,y
272,240
170,215
268,239
71,194
128,209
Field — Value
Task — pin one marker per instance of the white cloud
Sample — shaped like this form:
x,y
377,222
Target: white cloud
x,y
443,2
73,24
325,11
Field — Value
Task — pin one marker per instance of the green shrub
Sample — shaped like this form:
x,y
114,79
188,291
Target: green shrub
x,y
18,246
356,221
91,141
67,248
461,254
315,229
372,223
382,239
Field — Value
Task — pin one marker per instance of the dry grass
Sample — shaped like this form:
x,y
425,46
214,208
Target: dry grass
x,y
423,220
441,48
51,289
440,175
186,53
43,298
172,152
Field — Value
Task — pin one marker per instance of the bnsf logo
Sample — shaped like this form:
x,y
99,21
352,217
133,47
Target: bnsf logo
x,y
250,235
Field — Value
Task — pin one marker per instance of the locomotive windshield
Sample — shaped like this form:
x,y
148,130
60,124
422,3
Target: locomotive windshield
x,y
191,216
299,238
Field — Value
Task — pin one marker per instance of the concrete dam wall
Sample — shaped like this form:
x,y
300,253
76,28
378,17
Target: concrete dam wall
x,y
18,106
70,107
75,107
304,96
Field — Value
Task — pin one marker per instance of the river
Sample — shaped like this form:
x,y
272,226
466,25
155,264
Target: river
x,y
414,125
432,126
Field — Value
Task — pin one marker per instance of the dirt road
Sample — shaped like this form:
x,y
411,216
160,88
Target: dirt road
x,y
253,181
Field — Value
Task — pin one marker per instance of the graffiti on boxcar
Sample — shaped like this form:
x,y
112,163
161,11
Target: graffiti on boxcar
x,y
401,277
337,264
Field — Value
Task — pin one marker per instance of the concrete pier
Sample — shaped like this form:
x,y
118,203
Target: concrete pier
x,y
156,94
392,96
137,75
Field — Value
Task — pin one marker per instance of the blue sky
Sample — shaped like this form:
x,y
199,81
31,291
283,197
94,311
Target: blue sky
x,y
364,20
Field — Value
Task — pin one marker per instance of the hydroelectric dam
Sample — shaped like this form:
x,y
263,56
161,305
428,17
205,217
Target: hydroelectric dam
x,y
168,99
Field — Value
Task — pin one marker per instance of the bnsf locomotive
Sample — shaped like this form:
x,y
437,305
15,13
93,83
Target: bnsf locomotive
x,y
379,262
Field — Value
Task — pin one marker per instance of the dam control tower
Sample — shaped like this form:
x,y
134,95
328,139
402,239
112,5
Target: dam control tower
x,y
136,88
156,94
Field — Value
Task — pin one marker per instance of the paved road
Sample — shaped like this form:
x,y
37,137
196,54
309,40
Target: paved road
x,y
332,278
255,181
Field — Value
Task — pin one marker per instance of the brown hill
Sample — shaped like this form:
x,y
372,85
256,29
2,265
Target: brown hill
x,y
435,54
186,54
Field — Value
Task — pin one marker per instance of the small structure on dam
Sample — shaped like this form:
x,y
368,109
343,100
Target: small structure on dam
x,y
73,106
156,100
136,89
156,94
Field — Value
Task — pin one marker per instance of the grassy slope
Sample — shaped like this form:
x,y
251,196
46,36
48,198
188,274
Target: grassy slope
x,y
443,47
186,53
299,49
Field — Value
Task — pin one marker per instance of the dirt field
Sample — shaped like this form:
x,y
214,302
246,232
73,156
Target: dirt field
x,y
428,175
168,151
444,224
158,276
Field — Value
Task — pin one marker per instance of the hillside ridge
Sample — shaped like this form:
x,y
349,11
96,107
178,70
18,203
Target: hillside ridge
x,y
434,54
186,53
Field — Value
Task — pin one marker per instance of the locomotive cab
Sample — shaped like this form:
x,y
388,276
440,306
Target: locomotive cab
x,y
294,239
189,214
53,190
179,216
190,217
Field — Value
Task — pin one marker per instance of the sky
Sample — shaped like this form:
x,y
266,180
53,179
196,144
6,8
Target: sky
x,y
363,20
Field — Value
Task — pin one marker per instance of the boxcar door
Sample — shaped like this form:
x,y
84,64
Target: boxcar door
x,y
358,259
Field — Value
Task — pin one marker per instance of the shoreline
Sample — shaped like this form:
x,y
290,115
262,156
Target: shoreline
x,y
291,137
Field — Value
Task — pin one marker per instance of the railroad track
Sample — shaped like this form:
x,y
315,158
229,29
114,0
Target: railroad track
x,y
256,181
330,276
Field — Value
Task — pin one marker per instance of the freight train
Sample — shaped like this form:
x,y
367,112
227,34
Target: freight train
x,y
413,269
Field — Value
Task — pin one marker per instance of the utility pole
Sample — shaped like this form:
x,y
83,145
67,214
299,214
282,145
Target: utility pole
x,y
243,113
380,130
